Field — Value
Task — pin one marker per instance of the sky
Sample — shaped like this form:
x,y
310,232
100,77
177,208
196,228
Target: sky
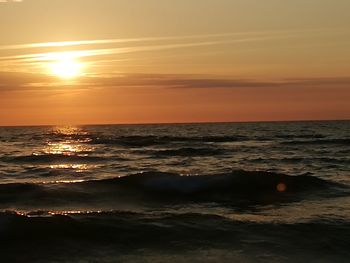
x,y
161,61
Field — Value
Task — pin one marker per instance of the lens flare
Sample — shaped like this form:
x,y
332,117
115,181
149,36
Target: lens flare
x,y
281,187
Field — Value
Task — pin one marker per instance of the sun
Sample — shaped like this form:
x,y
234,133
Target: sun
x,y
65,67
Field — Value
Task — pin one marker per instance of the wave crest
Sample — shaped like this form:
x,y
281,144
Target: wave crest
x,y
239,188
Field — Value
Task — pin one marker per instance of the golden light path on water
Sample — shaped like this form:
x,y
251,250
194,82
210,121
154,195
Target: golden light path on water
x,y
68,147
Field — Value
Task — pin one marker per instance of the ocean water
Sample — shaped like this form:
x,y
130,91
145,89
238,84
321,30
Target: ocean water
x,y
233,192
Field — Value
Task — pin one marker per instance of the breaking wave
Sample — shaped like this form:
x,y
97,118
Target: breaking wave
x,y
236,188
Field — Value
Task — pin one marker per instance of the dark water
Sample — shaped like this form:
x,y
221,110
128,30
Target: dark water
x,y
254,192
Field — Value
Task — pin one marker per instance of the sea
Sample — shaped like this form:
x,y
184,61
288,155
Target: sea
x,y
216,192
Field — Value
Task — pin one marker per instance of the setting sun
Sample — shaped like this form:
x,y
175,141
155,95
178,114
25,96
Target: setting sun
x,y
66,67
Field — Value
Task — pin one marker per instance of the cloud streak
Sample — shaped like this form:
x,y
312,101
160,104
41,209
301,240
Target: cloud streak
x,y
50,56
140,44
28,81
11,1
149,39
209,82
17,58
115,41
111,52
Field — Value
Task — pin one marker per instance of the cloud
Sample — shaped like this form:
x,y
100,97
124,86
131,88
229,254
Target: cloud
x,y
9,1
20,60
208,82
115,41
145,44
49,56
29,81
270,33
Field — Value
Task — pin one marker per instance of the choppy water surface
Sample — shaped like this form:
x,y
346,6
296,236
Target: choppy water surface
x,y
253,192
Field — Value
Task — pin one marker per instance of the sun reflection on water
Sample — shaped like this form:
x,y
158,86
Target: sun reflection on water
x,y
56,213
70,132
68,141
68,146
79,168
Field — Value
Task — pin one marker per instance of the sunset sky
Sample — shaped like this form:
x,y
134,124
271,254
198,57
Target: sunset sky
x,y
152,61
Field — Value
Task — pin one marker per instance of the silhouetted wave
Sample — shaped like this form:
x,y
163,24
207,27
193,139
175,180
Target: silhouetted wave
x,y
335,141
143,141
86,236
53,158
300,136
188,151
335,161
236,188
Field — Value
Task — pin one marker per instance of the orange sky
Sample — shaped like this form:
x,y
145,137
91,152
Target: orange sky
x,y
105,61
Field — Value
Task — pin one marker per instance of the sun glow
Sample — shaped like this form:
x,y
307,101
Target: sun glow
x,y
65,66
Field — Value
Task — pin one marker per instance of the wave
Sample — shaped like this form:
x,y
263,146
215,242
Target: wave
x,y
53,158
301,136
239,188
144,141
335,141
186,152
103,237
327,160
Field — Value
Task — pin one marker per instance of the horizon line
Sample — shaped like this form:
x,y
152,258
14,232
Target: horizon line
x,y
175,123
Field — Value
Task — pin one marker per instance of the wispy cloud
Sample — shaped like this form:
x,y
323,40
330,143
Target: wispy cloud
x,y
49,56
149,39
9,1
28,81
141,46
116,41
199,81
24,58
